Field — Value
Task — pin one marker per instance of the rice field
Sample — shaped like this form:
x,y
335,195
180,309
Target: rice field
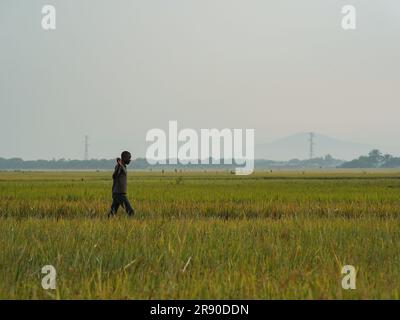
x,y
201,235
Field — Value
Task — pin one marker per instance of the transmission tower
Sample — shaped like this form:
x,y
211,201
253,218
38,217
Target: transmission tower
x,y
86,147
312,144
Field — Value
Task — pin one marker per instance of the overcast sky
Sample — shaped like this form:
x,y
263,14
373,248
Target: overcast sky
x,y
115,69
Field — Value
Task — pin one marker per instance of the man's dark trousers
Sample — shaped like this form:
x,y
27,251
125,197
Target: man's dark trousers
x,y
120,199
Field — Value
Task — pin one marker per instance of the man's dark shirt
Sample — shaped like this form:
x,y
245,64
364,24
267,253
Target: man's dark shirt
x,y
119,179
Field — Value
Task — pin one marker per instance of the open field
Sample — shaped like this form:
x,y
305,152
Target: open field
x,y
201,235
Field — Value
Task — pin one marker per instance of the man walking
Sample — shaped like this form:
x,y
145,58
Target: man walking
x,y
119,187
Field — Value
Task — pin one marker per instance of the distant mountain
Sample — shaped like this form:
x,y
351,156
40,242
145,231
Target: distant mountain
x,y
297,147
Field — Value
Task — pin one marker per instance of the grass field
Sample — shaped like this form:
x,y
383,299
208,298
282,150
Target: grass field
x,y
271,235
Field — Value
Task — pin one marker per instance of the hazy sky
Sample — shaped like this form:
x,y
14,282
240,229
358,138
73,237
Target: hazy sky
x,y
115,69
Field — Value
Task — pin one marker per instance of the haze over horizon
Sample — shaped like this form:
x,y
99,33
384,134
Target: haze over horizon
x,y
116,71
295,146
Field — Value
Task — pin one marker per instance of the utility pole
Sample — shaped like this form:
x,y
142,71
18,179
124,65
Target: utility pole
x,y
311,140
86,147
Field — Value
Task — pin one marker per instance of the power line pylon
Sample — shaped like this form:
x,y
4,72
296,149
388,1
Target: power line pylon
x,y
86,157
312,144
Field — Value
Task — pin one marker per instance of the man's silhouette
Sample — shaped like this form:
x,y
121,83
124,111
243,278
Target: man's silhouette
x,y
119,187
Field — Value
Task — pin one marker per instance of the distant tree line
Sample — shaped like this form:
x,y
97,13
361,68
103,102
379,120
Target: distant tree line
x,y
63,164
142,164
374,159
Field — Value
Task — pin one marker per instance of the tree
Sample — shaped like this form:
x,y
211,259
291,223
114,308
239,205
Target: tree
x,y
375,157
387,158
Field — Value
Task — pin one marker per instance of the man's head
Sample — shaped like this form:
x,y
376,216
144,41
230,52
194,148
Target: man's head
x,y
126,157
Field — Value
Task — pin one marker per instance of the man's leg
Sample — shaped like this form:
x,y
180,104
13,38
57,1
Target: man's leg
x,y
114,206
127,206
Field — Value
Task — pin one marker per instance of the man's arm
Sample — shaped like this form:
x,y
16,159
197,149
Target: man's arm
x,y
121,166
